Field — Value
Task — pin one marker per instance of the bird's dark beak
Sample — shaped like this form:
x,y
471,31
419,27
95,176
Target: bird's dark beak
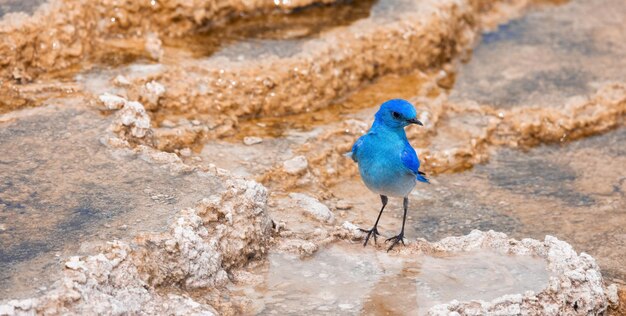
x,y
416,121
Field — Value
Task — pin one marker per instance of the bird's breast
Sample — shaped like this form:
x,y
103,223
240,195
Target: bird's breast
x,y
382,170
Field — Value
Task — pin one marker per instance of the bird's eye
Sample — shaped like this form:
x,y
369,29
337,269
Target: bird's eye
x,y
395,115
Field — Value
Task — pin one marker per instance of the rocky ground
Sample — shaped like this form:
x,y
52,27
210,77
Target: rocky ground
x,y
162,157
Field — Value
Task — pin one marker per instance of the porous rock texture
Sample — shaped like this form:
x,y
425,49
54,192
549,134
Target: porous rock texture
x,y
328,67
575,286
203,244
132,123
62,33
313,207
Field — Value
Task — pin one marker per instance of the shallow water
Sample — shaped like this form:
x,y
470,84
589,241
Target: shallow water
x,y
261,37
280,35
359,104
575,192
347,280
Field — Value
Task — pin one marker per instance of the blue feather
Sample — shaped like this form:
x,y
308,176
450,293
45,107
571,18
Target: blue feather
x,y
387,163
412,162
420,177
409,158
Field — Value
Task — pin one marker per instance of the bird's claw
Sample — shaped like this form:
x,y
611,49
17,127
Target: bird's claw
x,y
395,240
370,232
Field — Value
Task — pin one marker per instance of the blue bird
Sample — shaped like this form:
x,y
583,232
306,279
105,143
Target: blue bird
x,y
387,163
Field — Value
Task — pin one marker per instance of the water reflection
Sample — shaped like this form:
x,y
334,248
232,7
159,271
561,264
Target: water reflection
x,y
349,280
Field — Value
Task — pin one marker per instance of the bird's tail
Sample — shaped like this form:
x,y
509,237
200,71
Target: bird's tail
x,y
421,177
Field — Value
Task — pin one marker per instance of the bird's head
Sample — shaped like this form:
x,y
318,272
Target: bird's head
x,y
397,113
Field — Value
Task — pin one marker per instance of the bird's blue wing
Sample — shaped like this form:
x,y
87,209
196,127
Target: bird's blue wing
x,y
355,148
411,162
409,159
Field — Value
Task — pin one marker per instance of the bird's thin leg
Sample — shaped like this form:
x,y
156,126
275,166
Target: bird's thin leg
x,y
400,237
374,230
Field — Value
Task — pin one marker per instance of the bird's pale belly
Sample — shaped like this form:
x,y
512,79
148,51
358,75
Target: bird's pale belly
x,y
384,181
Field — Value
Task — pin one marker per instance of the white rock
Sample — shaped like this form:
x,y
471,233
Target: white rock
x,y
134,116
7,310
574,276
121,80
343,205
252,140
25,304
185,152
353,231
612,294
313,207
154,46
345,306
295,165
300,246
349,226
111,101
167,123
75,264
153,91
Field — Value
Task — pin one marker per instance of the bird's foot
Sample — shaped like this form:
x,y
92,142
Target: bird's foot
x,y
370,233
394,240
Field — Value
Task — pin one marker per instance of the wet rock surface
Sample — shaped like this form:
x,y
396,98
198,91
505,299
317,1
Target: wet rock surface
x,y
62,187
198,250
547,56
576,186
